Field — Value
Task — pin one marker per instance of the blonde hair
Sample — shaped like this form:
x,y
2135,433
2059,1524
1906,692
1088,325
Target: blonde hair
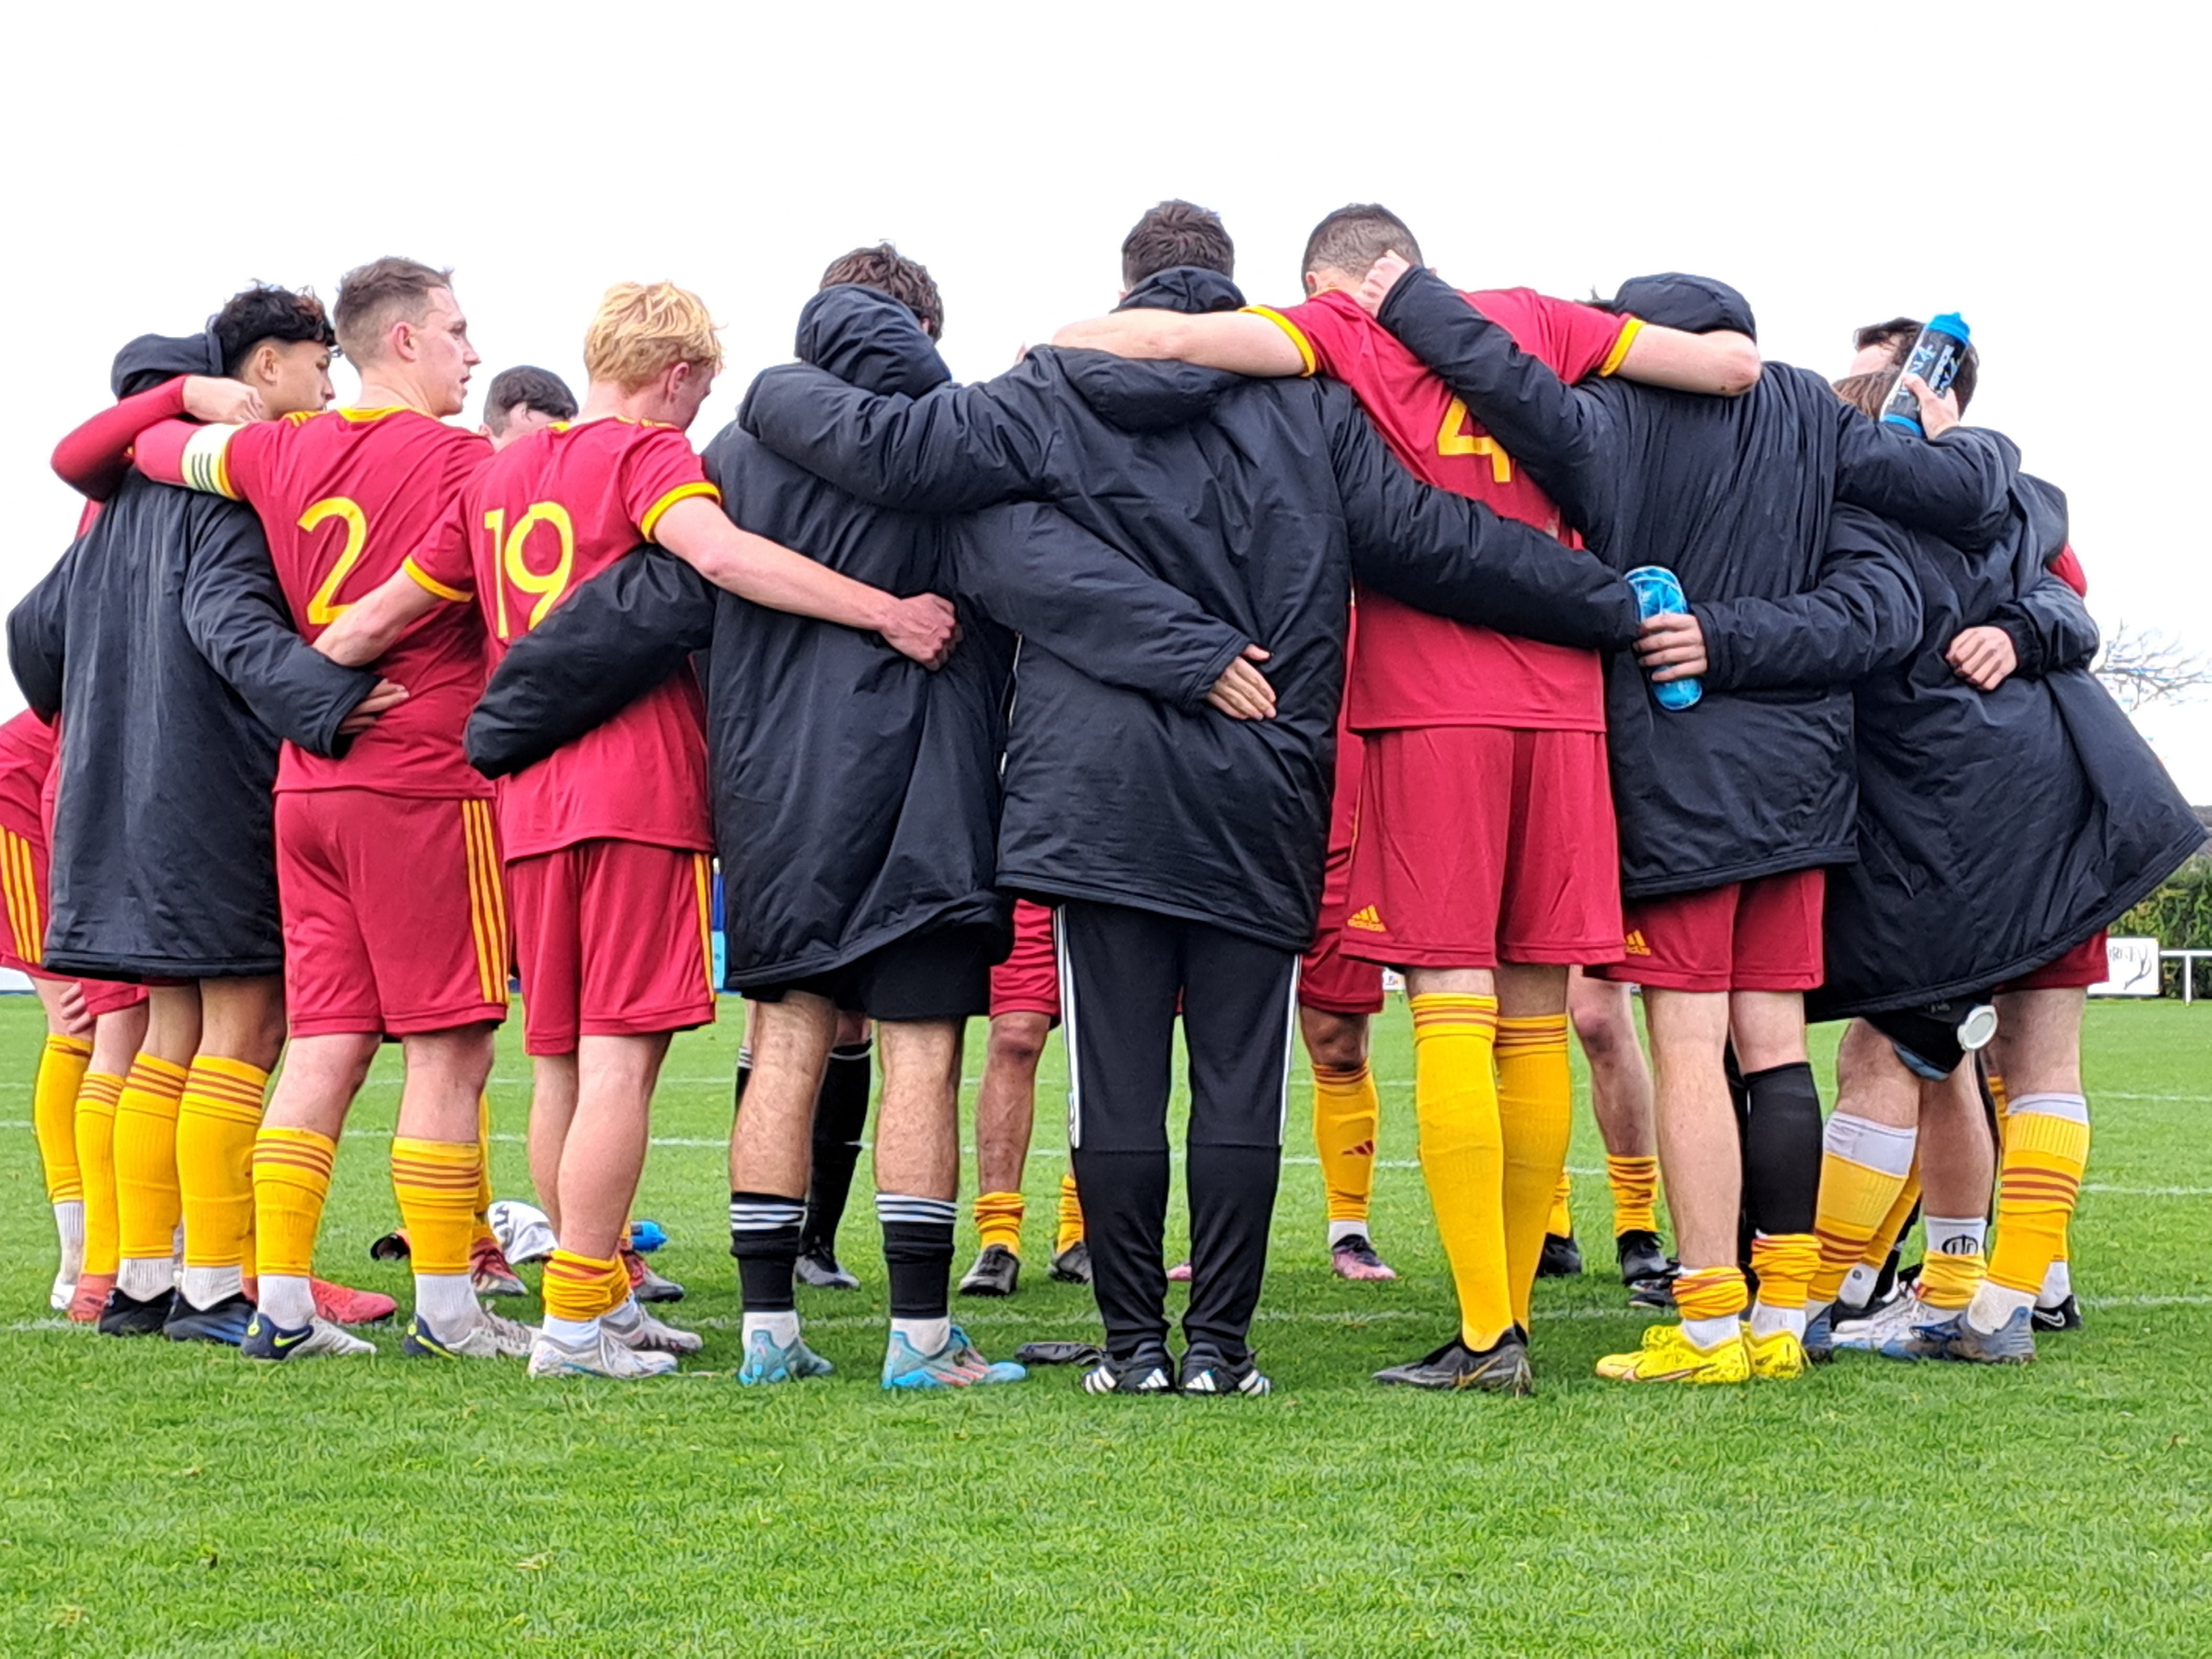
x,y
644,329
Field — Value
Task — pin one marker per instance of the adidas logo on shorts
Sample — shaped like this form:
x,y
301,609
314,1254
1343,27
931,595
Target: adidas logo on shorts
x,y
1366,921
1634,945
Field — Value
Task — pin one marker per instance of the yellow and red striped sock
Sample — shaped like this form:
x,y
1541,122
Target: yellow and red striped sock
x,y
218,1116
1711,1301
1067,1231
291,1183
577,1288
1535,1116
1346,1107
1635,1184
96,1160
2046,1152
998,1220
62,1066
1463,1153
147,1207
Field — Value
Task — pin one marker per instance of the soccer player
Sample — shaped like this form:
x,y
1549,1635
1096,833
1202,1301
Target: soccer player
x,y
1220,896
164,640
608,839
1727,819
523,400
388,856
1994,756
1485,865
1025,1007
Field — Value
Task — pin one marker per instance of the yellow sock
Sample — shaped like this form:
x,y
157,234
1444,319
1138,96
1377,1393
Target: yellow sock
x,y
1561,1222
95,1162
291,1181
1068,1231
1855,1202
1876,1253
1346,1107
1635,1183
1536,1112
998,1220
616,1288
576,1286
2039,1183
1711,1293
1463,1153
146,1204
1786,1264
482,1231
217,1118
435,1181
62,1066
1949,1279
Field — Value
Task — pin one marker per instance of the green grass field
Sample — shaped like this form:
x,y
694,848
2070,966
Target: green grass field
x,y
161,1499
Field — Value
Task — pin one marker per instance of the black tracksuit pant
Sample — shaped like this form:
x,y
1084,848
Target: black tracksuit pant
x,y
1121,971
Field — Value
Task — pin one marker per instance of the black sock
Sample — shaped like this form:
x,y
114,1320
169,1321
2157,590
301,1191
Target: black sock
x,y
840,1116
918,1254
1782,1149
764,1238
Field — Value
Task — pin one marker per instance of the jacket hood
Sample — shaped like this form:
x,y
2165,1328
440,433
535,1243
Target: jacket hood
x,y
153,358
1153,396
868,339
1696,305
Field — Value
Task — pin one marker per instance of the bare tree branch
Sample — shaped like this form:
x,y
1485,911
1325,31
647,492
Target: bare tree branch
x,y
2140,666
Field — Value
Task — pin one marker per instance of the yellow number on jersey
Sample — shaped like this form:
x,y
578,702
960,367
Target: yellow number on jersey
x,y
509,547
324,608
1452,438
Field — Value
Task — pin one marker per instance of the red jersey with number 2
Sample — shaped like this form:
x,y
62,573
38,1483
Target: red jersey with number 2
x,y
1413,669
553,510
345,497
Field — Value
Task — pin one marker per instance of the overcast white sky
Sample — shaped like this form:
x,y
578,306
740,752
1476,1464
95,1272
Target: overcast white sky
x,y
2049,184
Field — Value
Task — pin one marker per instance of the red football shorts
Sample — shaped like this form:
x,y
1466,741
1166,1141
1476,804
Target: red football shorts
x,y
23,925
1328,980
395,918
1028,980
614,938
1477,844
1761,935
2087,963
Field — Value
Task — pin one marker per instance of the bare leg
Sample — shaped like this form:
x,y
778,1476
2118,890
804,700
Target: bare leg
x,y
604,1154
1621,1078
1699,1152
552,1109
1006,1103
918,1133
772,1144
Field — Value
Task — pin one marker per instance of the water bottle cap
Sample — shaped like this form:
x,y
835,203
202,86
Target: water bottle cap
x,y
1952,324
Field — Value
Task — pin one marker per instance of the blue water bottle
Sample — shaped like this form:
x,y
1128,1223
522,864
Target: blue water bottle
x,y
1935,358
1659,594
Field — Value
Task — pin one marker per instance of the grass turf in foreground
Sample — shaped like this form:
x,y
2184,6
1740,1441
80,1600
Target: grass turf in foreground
x,y
165,1499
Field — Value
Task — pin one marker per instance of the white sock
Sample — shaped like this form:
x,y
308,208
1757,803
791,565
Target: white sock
x,y
1993,1304
2057,1285
924,1336
143,1276
782,1328
1858,1285
1957,1235
626,1316
69,1227
205,1286
448,1301
289,1299
1340,1231
571,1333
1765,1321
1711,1332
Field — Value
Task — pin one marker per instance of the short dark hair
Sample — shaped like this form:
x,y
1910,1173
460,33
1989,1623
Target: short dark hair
x,y
370,295
1353,238
887,271
539,389
265,312
1899,334
1177,233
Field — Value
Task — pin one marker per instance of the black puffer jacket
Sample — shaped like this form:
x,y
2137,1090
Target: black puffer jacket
x,y
1997,829
1797,598
164,642
1257,499
856,794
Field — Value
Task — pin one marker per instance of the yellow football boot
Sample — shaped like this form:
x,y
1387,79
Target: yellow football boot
x,y
1667,1356
1776,1358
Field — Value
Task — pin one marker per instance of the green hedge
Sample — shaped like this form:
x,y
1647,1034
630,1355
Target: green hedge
x,y
2179,917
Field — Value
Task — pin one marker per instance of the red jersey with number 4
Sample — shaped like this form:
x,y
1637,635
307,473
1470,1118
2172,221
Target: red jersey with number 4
x,y
345,497
553,510
1413,669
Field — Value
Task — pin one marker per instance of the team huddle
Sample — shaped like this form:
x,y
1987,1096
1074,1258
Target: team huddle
x,y
1207,663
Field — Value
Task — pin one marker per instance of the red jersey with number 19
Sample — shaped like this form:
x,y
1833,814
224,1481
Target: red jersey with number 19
x,y
552,511
344,497
1413,669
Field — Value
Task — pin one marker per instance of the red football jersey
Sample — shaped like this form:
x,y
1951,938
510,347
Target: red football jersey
x,y
345,497
551,511
1413,669
27,755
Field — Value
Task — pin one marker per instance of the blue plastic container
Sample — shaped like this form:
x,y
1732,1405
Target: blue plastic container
x,y
1935,358
1658,593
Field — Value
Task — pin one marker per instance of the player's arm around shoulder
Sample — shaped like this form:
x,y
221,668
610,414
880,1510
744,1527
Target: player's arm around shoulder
x,y
1258,342
1724,363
